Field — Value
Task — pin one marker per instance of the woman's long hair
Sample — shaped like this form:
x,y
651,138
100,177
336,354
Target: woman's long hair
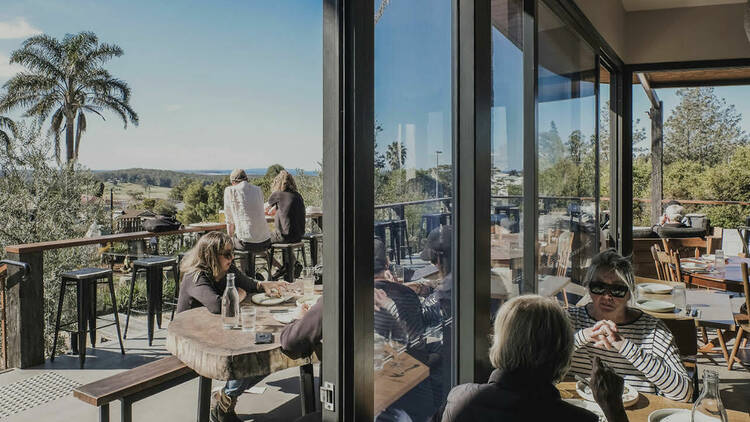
x,y
283,182
204,257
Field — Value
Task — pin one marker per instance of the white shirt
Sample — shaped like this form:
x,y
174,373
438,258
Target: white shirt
x,y
243,207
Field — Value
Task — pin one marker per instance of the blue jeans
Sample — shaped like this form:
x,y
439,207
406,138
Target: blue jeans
x,y
235,388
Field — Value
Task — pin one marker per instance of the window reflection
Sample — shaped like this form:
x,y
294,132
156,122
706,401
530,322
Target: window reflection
x,y
413,209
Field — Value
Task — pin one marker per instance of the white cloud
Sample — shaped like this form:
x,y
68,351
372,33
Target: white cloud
x,y
17,28
173,107
8,70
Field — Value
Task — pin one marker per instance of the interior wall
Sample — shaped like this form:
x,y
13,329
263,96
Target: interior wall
x,y
686,34
608,17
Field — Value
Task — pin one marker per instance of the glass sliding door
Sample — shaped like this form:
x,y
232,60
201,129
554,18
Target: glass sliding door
x,y
413,218
507,172
605,180
566,145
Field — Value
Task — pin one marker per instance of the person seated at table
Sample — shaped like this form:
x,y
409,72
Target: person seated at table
x,y
243,208
532,344
638,346
204,270
672,217
288,208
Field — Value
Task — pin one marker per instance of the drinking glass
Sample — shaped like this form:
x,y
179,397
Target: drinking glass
x,y
679,299
308,281
248,315
719,260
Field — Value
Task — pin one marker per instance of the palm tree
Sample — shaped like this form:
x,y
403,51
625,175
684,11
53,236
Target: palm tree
x,y
396,155
65,80
7,124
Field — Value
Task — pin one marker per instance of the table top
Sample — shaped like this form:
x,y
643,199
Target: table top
x,y
197,338
715,307
506,248
730,279
502,288
392,382
646,404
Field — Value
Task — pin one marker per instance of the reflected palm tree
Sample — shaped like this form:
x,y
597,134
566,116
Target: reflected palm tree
x,y
395,155
7,125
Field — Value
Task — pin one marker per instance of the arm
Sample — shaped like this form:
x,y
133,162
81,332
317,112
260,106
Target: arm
x,y
228,212
663,366
204,292
243,281
302,337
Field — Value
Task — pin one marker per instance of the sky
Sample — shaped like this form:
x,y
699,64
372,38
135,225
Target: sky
x,y
217,85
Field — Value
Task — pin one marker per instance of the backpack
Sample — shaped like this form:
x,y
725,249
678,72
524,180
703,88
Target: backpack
x,y
161,223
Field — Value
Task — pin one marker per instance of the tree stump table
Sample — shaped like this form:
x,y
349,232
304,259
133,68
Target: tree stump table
x,y
197,338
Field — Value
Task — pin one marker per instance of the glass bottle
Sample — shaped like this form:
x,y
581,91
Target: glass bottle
x,y
230,305
708,407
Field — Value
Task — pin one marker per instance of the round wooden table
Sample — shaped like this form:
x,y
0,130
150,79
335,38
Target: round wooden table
x,y
197,338
730,279
646,404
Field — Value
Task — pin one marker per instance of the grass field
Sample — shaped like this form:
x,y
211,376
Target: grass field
x,y
125,191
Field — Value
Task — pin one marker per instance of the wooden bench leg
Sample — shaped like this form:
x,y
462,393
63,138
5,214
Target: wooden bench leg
x,y
126,410
307,388
204,398
104,413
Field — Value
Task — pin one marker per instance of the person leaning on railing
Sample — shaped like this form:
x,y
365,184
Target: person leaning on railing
x,y
638,346
532,344
204,270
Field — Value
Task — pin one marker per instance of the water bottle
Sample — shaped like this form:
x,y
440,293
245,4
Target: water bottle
x,y
709,407
230,305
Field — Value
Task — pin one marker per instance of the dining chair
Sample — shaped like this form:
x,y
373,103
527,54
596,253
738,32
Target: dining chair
x,y
564,248
686,339
742,320
662,265
688,246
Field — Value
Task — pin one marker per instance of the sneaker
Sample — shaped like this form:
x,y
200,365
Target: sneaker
x,y
297,269
279,273
259,277
222,408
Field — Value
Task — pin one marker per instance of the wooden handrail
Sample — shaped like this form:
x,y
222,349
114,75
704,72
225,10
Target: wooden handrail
x,y
3,334
120,237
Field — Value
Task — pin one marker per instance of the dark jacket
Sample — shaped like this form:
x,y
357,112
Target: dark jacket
x,y
303,337
509,397
199,289
290,215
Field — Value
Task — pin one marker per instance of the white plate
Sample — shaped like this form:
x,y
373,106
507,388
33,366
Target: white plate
x,y
629,393
693,266
285,318
263,299
308,300
708,257
669,415
655,305
588,405
204,224
655,288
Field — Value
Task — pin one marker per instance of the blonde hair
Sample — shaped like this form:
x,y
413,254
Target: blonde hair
x,y
532,332
204,257
283,182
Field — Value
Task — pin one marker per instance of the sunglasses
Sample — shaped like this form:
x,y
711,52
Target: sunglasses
x,y
601,288
228,254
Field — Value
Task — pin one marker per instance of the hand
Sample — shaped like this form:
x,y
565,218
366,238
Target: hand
x,y
416,286
241,293
608,337
274,288
607,387
382,301
589,333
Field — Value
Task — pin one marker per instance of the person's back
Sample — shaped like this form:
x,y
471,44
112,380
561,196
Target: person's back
x,y
510,397
290,214
243,207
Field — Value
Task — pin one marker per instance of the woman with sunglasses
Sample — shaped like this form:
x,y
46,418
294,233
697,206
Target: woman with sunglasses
x,y
204,279
636,345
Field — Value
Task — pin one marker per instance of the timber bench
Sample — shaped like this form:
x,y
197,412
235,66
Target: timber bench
x,y
133,385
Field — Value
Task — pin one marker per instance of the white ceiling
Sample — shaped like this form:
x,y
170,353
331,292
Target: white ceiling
x,y
632,5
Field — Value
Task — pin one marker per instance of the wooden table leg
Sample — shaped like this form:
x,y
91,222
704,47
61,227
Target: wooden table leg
x,y
204,398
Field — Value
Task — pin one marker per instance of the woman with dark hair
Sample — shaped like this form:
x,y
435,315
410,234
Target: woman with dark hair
x,y
288,208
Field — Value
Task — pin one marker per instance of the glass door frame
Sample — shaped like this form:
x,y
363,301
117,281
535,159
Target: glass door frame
x,y
348,138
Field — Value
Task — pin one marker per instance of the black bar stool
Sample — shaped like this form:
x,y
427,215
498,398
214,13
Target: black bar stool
x,y
153,266
247,260
289,260
86,280
315,240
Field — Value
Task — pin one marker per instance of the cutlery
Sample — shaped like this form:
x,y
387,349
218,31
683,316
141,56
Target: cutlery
x,y
583,380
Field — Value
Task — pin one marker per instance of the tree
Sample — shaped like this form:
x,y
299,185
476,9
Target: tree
x,y
273,171
7,124
395,154
702,128
66,80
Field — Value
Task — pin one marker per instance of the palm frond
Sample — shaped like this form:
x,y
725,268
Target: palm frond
x,y
55,129
8,123
36,60
43,107
103,53
121,108
47,43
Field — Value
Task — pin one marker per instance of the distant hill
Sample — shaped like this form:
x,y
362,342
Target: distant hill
x,y
154,177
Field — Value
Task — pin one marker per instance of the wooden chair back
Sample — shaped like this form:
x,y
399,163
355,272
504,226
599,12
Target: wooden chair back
x,y
689,246
665,263
661,268
685,335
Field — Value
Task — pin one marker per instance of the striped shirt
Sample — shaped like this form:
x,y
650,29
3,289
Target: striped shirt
x,y
649,359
